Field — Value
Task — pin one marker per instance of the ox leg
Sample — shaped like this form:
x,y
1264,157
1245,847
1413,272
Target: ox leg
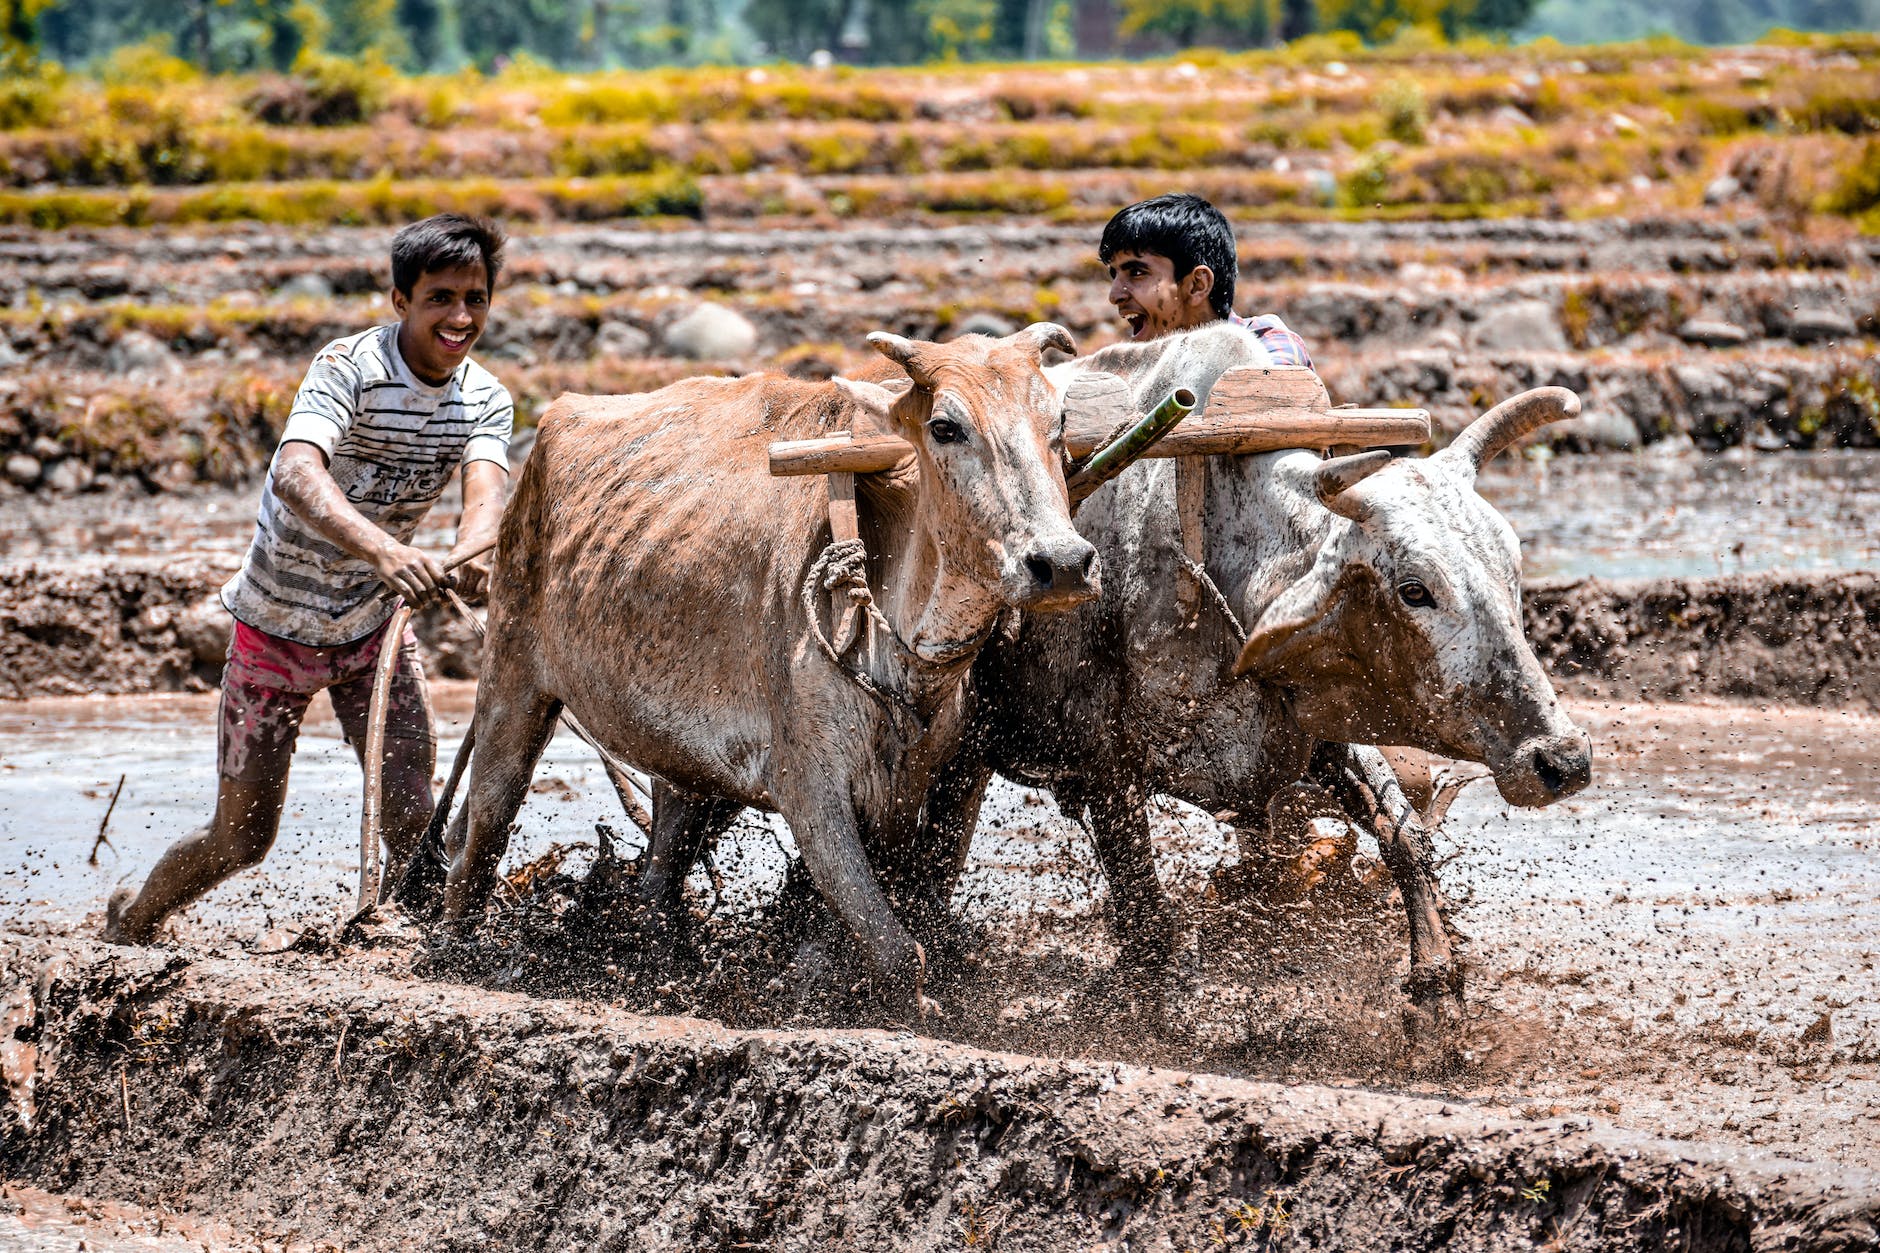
x,y
513,729
684,824
924,871
1141,919
1365,785
832,852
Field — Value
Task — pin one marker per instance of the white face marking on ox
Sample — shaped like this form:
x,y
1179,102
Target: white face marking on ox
x,y
983,418
1409,626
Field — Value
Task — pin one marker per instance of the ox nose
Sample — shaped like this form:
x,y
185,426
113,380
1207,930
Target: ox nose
x,y
1562,763
1061,571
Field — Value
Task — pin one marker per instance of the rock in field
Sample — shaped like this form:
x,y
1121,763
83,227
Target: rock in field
x,y
621,339
140,350
1712,333
307,286
23,470
1521,326
711,333
1811,325
204,629
70,475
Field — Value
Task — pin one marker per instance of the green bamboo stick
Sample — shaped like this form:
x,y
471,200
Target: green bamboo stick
x,y
1127,448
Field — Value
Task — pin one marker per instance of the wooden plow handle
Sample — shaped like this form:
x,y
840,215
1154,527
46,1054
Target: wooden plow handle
x,y
1251,410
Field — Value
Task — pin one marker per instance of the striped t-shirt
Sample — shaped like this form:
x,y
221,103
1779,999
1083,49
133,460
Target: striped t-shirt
x,y
391,443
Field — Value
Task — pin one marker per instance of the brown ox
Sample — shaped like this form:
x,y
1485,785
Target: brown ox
x,y
650,578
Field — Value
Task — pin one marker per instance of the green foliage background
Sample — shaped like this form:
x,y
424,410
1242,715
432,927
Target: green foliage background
x,y
446,35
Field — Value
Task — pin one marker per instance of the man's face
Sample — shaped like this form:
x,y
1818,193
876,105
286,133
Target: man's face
x,y
1144,289
442,317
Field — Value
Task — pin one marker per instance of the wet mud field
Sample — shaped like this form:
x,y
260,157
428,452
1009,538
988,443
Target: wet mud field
x,y
1671,1038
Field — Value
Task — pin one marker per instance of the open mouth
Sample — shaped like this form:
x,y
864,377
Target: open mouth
x,y
454,341
1136,322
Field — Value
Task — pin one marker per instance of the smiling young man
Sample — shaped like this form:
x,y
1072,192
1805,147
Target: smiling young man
x,y
381,421
1173,266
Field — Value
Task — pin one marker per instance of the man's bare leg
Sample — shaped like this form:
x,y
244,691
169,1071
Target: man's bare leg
x,y
247,816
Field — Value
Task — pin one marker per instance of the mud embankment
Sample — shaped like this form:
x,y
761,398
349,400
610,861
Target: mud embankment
x,y
325,1102
1805,639
1799,639
145,627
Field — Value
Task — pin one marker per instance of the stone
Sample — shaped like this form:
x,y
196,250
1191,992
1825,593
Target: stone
x,y
307,286
204,629
10,357
46,448
1712,333
1600,429
621,339
69,476
711,333
1807,326
23,470
1520,326
1722,188
140,350
1699,382
983,323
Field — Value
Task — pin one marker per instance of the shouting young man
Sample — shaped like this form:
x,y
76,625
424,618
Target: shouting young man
x,y
382,420
1173,266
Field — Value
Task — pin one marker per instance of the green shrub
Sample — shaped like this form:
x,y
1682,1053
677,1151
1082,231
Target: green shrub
x,y
1857,183
30,97
1406,112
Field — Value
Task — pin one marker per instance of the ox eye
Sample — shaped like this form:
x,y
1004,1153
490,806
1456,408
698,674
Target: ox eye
x,y
1415,594
946,431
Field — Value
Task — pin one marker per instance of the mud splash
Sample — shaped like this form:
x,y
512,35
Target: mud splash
x,y
337,1106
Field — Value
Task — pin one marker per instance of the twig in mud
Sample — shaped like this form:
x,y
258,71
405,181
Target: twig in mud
x,y
339,1051
124,1089
105,822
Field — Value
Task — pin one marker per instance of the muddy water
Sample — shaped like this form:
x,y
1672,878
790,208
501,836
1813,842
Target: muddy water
x,y
1669,512
1662,512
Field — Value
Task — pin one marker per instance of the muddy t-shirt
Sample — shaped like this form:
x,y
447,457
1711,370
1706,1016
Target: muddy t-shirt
x,y
391,443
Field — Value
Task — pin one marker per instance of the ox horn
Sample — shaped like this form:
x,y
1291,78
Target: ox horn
x,y
1334,477
1050,335
1508,421
903,352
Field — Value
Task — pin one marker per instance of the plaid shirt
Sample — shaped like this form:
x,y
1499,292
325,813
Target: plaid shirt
x,y
1280,340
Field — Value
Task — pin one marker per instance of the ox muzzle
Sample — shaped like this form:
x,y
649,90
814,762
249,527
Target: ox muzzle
x,y
1545,769
1053,573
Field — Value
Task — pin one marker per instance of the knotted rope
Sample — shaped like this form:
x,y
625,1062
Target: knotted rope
x,y
844,565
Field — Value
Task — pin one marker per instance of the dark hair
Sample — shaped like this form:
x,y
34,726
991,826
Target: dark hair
x,y
1188,231
442,242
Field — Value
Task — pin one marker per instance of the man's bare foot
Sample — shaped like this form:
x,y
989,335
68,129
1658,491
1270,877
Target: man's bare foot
x,y
114,932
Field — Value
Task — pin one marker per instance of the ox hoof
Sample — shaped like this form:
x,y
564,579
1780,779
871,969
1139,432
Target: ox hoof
x,y
1433,983
114,908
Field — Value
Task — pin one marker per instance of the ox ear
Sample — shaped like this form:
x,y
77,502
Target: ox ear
x,y
1043,335
902,351
1300,606
871,398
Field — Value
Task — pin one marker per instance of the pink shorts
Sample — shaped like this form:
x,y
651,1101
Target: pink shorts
x,y
269,682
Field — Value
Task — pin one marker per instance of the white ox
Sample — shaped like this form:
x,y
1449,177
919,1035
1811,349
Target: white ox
x,y
1381,600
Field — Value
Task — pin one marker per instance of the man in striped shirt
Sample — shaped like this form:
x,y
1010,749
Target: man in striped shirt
x,y
381,422
1173,266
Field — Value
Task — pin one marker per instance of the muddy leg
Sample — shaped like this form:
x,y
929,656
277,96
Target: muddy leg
x,y
257,727
924,872
684,824
247,815
1141,918
832,852
410,753
512,730
1365,785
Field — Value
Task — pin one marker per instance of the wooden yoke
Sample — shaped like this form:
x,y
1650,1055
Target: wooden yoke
x,y
1250,410
1254,409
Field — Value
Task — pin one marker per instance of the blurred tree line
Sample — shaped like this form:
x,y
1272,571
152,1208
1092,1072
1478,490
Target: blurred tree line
x,y
443,35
